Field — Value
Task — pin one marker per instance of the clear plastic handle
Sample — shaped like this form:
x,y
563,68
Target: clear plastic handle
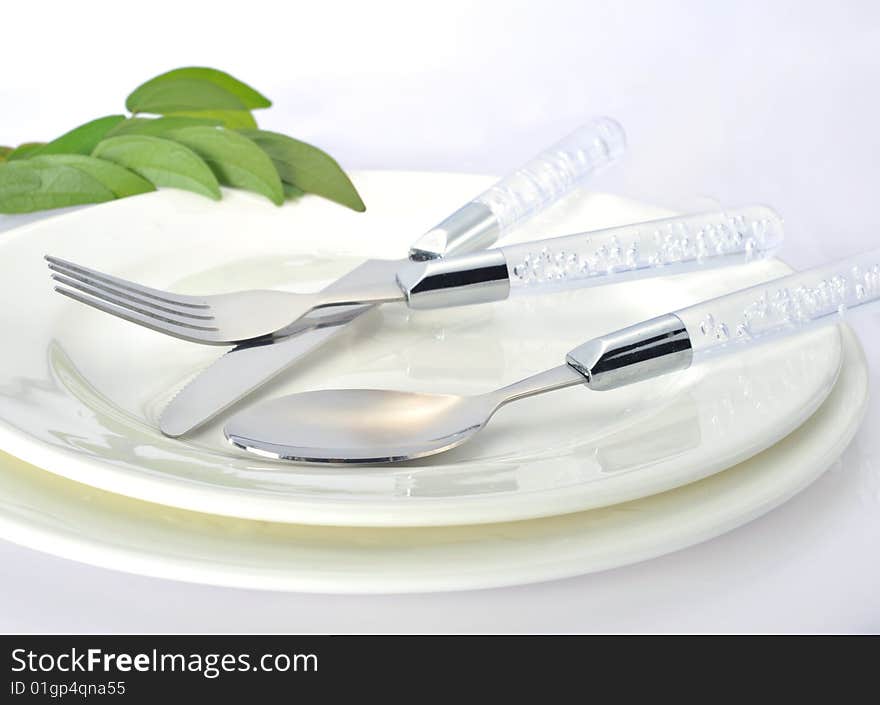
x,y
552,174
656,247
782,306
525,191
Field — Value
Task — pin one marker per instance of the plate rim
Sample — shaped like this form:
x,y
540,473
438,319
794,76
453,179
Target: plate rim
x,y
843,425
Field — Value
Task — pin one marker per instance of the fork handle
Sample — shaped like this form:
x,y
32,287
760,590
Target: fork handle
x,y
667,246
729,323
658,247
524,192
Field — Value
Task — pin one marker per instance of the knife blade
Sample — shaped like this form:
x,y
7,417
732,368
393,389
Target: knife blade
x,y
477,225
246,367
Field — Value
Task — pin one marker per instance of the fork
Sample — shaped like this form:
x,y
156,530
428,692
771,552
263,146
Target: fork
x,y
218,319
653,248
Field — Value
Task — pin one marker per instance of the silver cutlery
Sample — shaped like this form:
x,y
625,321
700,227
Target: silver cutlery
x,y
661,246
507,204
379,426
670,246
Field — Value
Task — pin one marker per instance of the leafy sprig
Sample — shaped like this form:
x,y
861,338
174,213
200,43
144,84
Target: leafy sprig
x,y
201,133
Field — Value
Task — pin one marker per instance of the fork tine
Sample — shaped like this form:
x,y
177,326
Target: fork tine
x,y
72,269
186,332
101,290
119,302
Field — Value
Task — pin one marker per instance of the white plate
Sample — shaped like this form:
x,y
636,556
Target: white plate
x,y
80,391
50,514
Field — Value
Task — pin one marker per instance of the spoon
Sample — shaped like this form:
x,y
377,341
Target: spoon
x,y
379,426
376,425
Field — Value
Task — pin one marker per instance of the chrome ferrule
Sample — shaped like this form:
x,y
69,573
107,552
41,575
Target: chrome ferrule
x,y
649,349
472,227
477,278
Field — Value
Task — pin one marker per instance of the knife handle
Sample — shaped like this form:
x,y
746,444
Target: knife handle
x,y
524,192
729,323
655,248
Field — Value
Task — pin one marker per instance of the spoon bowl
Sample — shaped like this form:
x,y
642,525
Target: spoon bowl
x,y
365,426
339,426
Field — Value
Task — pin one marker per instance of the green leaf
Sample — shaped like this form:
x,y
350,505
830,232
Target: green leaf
x,y
23,150
119,180
161,161
233,119
235,160
82,139
194,88
181,95
158,126
291,192
5,152
307,168
26,187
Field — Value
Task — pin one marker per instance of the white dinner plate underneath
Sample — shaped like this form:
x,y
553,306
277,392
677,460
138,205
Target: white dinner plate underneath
x,y
81,391
51,514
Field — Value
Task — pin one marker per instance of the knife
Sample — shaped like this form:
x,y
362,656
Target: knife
x,y
475,226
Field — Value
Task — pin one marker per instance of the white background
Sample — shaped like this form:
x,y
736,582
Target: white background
x,y
735,102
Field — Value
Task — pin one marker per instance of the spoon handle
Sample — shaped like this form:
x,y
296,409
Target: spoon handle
x,y
783,306
524,192
736,321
